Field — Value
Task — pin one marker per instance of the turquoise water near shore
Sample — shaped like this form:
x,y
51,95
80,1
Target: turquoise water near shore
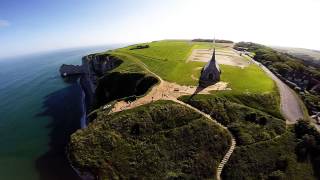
x,y
38,111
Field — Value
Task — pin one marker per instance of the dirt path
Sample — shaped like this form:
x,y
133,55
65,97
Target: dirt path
x,y
171,91
289,101
167,91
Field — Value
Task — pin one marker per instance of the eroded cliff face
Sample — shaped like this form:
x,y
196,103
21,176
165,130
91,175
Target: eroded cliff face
x,y
102,83
98,64
116,85
69,70
93,67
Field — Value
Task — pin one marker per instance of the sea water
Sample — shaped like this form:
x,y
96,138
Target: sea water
x,y
38,112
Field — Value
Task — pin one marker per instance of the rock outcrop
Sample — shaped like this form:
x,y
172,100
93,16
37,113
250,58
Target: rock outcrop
x,y
69,70
92,68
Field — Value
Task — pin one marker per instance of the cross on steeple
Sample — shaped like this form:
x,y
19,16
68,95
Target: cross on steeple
x,y
210,73
214,49
214,39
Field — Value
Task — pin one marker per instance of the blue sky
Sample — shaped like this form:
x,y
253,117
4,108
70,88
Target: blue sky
x,y
39,25
35,25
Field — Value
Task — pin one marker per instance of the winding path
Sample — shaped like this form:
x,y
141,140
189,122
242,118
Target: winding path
x,y
233,140
122,106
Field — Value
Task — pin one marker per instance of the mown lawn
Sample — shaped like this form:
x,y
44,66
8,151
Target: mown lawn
x,y
251,79
168,60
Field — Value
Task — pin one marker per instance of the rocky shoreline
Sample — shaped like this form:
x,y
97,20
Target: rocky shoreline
x,y
93,66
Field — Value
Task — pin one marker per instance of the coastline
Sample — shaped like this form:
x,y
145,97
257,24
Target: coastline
x,y
86,99
87,82
83,120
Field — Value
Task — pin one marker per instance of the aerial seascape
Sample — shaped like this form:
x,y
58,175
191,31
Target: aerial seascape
x,y
159,90
39,110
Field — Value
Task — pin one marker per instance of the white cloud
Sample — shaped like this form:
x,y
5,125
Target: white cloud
x,y
4,23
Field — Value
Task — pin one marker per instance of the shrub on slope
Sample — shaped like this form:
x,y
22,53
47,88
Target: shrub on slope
x,y
273,159
248,124
161,140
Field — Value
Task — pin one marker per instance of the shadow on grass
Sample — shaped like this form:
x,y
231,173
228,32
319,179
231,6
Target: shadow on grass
x,y
199,89
64,109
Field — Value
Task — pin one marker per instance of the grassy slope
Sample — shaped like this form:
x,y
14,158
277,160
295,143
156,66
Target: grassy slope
x,y
168,60
130,79
253,91
235,112
265,158
251,79
261,147
130,65
150,142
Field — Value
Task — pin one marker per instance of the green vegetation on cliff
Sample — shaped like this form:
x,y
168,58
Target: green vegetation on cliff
x,y
298,74
265,148
293,155
272,159
162,140
129,80
167,140
250,118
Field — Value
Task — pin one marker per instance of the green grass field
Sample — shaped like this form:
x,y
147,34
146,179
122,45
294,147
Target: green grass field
x,y
250,79
168,60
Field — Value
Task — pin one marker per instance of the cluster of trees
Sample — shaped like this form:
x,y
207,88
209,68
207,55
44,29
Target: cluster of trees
x,y
292,155
247,124
308,148
282,62
140,47
211,40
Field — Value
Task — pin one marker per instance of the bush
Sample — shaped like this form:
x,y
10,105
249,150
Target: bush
x,y
276,175
161,139
247,124
309,144
272,159
140,47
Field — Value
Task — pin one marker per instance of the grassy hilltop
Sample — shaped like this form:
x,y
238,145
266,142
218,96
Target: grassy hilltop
x,y
168,59
166,140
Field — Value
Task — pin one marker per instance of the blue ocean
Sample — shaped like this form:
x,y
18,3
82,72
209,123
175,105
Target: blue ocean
x,y
38,112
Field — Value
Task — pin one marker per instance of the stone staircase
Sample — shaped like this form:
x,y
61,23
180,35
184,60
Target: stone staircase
x,y
226,158
233,141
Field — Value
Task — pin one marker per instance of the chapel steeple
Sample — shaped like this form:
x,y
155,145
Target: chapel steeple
x,y
210,74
